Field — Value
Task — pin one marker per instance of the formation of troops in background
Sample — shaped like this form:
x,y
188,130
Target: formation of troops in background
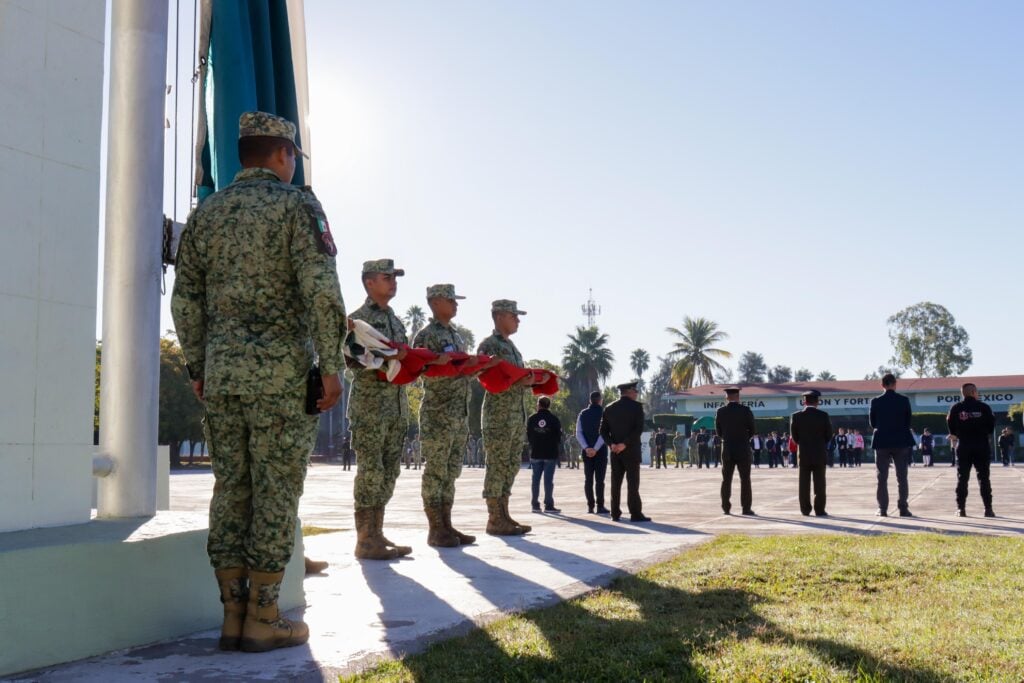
x,y
259,313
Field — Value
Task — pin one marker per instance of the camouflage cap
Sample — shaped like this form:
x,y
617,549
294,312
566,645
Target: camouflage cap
x,y
262,124
442,292
382,265
506,306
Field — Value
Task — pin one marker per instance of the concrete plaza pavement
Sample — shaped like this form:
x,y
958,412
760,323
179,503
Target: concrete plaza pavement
x,y
361,612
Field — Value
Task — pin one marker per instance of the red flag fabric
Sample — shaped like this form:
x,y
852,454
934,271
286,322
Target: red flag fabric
x,y
502,376
412,366
545,383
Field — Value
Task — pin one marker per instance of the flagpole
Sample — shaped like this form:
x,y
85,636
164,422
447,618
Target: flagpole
x,y
129,389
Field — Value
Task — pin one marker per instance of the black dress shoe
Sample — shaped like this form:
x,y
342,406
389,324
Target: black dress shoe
x,y
590,509
615,518
639,518
961,512
881,513
805,514
749,513
821,514
552,509
989,512
602,510
906,513
536,509
726,512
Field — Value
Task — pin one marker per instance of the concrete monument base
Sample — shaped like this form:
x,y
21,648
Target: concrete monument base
x,y
77,591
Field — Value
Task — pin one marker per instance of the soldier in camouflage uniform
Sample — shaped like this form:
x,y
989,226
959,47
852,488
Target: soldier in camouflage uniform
x,y
378,414
503,422
256,294
678,442
444,419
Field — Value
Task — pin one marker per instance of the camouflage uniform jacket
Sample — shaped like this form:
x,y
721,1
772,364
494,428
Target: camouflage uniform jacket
x,y
370,394
448,395
513,400
256,288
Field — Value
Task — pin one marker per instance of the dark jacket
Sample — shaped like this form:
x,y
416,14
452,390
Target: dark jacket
x,y
623,422
811,429
1005,442
890,419
972,422
735,424
544,432
589,422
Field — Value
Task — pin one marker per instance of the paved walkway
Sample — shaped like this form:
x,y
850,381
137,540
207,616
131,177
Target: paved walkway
x,y
360,612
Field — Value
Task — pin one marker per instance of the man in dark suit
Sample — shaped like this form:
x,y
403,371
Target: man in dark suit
x,y
595,453
622,425
812,430
735,425
890,418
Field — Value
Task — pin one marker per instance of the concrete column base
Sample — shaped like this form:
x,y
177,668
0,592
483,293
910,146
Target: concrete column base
x,y
78,591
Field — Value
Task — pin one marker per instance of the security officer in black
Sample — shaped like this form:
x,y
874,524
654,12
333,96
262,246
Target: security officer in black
x,y
812,430
622,426
972,423
734,423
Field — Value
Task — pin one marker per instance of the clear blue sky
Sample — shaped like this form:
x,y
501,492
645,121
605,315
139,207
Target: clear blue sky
x,y
796,171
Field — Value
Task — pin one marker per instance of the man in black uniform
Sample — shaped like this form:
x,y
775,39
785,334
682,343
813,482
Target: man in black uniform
x,y
972,423
841,445
703,449
812,430
734,423
622,426
660,446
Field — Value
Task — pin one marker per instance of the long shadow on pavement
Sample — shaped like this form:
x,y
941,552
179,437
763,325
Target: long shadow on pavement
x,y
654,636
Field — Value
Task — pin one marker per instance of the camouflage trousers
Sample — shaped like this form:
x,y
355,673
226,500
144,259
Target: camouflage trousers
x,y
259,450
443,442
378,442
504,435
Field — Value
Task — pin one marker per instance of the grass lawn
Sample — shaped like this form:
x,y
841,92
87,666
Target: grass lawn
x,y
809,608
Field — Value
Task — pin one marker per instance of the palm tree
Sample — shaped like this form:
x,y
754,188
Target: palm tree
x,y
640,360
587,360
415,318
694,353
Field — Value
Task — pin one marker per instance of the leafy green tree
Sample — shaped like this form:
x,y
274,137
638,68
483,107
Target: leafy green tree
x,y
881,371
639,361
694,352
752,368
560,402
415,318
780,374
927,340
826,376
467,336
181,413
587,361
658,387
803,375
1016,415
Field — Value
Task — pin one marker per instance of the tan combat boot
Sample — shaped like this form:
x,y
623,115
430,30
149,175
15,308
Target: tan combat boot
x,y
464,539
233,593
369,544
439,536
264,628
403,550
497,523
504,508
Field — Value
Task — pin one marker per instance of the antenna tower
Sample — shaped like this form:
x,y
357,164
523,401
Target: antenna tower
x,y
591,309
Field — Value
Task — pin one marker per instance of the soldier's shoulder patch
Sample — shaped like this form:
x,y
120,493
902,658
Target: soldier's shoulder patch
x,y
317,220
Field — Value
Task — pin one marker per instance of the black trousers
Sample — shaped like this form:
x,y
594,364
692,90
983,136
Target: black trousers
x,y
740,464
900,459
757,457
593,477
978,457
812,472
659,457
626,465
703,457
